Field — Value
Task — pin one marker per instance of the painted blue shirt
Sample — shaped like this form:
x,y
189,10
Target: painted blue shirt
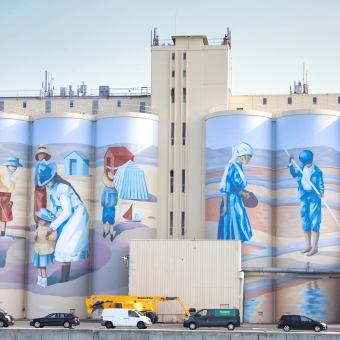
x,y
109,197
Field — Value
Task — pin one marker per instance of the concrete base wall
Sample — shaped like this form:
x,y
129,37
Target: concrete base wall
x,y
64,334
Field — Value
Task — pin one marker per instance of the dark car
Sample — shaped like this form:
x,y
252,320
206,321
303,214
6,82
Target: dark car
x,y
56,319
5,319
300,322
229,318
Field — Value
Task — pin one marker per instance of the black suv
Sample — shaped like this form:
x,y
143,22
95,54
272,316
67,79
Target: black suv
x,y
300,322
5,319
56,319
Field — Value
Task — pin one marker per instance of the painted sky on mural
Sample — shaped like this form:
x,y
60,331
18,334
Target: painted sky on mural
x,y
108,42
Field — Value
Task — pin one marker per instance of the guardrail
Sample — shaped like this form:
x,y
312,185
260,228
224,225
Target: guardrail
x,y
308,106
239,106
80,110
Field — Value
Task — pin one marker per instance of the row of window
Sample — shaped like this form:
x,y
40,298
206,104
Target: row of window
x,y
172,133
184,56
172,181
172,93
172,223
184,73
290,100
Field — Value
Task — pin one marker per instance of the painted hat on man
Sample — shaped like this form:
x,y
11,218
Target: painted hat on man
x,y
108,180
46,173
12,161
46,215
306,156
42,148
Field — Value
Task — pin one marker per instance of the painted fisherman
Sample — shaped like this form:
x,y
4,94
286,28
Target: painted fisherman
x,y
310,200
7,191
40,195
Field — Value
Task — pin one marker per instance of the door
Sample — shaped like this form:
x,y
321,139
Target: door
x,y
295,322
73,167
132,318
306,323
202,318
50,320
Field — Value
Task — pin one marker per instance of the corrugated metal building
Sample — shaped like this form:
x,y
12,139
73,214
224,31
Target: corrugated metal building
x,y
203,273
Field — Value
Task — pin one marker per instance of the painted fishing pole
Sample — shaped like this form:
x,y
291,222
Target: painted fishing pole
x,y
312,185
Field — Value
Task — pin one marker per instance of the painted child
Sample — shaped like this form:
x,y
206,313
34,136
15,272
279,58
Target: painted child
x,y
310,200
7,191
109,201
44,244
40,195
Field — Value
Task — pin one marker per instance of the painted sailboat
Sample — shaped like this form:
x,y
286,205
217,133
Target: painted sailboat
x,y
132,215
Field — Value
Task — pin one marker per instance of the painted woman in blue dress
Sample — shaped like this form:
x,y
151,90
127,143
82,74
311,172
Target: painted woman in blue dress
x,y
234,222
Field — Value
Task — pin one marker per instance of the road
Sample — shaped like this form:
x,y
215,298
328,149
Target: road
x,y
246,327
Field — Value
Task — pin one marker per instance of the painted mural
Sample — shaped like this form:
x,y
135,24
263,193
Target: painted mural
x,y
274,185
69,204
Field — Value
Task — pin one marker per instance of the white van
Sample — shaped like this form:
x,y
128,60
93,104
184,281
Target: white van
x,y
113,317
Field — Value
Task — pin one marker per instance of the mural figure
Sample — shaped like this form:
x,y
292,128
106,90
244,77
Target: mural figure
x,y
234,223
40,195
7,189
44,245
109,201
72,222
310,200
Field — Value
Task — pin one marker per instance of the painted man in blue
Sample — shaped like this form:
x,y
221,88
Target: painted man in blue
x,y
310,200
234,223
109,201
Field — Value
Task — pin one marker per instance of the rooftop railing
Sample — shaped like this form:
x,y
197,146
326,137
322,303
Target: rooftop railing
x,y
72,93
80,110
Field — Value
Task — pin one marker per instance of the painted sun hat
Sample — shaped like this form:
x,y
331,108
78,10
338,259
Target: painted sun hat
x,y
13,161
306,156
46,173
42,148
46,215
108,180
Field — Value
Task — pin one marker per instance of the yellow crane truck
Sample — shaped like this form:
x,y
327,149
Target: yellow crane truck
x,y
144,304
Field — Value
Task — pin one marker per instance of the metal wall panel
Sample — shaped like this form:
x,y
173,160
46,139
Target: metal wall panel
x,y
204,273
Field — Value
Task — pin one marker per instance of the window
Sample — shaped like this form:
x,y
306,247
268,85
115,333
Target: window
x,y
132,314
2,105
47,106
171,223
184,133
184,56
71,104
119,103
94,107
142,107
172,74
184,95
171,181
183,180
24,105
338,100
183,223
239,108
172,95
315,100
289,100
173,56
172,133
184,73
264,101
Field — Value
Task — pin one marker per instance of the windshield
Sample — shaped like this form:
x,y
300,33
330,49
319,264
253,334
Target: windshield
x,y
139,313
2,311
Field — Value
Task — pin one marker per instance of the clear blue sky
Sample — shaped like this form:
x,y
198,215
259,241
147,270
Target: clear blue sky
x,y
107,42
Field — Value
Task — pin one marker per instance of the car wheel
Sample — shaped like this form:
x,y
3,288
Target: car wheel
x,y
317,328
151,316
141,325
1,323
109,325
286,328
156,319
231,326
66,324
37,324
192,326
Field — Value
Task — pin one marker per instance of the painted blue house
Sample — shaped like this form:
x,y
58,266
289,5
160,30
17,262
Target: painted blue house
x,y
76,164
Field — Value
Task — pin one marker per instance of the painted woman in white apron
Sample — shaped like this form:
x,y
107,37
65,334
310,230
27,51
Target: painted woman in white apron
x,y
71,224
